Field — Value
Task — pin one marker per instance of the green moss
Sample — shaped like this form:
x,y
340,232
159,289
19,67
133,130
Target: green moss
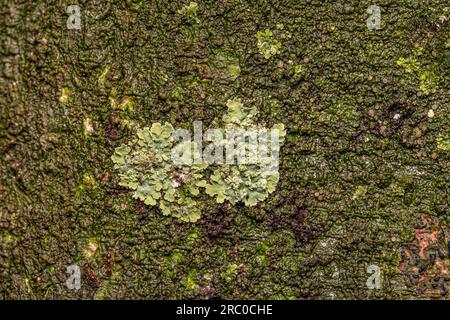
x,y
193,237
8,239
397,190
428,78
176,257
103,75
230,273
262,250
224,65
108,286
88,182
428,81
341,113
411,63
171,263
190,281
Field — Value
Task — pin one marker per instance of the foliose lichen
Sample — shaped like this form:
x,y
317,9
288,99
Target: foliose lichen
x,y
190,12
146,166
443,143
268,46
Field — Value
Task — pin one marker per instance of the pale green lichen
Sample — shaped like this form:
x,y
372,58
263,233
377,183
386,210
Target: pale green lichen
x,y
88,183
190,12
298,69
443,143
103,75
234,70
64,98
91,248
268,46
359,192
88,127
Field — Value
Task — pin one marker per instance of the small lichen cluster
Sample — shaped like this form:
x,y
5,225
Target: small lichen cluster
x,y
428,79
190,12
268,46
443,143
146,167
411,63
64,98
